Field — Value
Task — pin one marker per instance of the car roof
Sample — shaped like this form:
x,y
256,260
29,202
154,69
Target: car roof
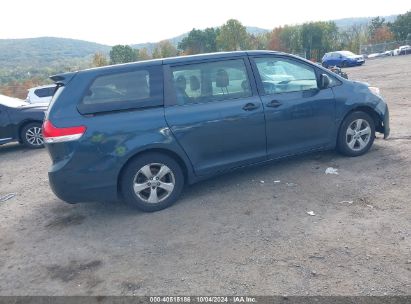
x,y
65,77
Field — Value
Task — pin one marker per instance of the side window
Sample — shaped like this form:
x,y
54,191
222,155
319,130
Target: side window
x,y
118,88
211,81
44,92
281,75
117,91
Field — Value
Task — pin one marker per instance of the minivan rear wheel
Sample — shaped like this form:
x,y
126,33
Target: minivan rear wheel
x,y
356,135
152,182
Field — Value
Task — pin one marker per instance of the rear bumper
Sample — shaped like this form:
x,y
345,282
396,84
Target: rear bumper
x,y
67,187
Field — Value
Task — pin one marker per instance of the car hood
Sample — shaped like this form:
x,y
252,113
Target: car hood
x,y
356,57
361,83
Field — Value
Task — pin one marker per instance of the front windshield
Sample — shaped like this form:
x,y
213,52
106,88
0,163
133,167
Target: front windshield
x,y
347,53
11,102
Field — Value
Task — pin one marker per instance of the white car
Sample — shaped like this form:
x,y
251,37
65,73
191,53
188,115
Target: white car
x,y
374,55
404,50
42,94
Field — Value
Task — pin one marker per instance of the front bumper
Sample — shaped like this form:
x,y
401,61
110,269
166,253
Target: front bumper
x,y
356,63
386,123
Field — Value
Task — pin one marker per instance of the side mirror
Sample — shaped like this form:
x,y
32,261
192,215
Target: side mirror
x,y
324,81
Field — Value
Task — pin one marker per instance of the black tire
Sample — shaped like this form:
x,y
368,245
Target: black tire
x,y
343,64
31,136
344,138
133,172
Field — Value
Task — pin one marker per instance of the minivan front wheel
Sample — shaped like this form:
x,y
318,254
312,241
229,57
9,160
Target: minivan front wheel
x,y
152,182
356,134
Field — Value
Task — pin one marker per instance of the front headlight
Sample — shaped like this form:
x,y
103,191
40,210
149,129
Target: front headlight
x,y
375,91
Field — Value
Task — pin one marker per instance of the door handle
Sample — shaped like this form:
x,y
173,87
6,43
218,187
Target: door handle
x,y
274,104
250,106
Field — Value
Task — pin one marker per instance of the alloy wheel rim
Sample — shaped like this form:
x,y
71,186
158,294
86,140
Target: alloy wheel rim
x,y
34,136
154,183
358,134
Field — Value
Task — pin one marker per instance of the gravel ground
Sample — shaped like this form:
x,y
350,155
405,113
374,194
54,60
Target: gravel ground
x,y
240,233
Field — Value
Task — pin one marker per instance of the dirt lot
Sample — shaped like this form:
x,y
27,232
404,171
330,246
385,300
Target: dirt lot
x,y
237,234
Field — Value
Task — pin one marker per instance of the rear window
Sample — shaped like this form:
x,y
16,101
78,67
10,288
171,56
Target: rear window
x,y
125,90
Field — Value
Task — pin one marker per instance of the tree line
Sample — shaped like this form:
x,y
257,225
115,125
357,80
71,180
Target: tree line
x,y
310,39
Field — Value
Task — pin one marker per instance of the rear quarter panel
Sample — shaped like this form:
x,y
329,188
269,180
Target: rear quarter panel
x,y
109,142
111,138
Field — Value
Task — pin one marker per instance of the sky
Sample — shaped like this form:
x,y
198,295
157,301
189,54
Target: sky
x,y
128,22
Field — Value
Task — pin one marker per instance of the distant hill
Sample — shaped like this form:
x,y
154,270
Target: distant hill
x,y
347,22
256,30
44,56
45,50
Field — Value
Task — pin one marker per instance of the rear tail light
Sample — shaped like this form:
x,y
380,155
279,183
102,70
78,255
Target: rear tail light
x,y
52,134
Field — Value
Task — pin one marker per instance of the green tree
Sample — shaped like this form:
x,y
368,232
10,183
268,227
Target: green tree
x,y
401,27
199,41
258,42
274,41
353,38
143,54
374,25
122,54
156,53
210,38
233,36
99,60
165,49
290,37
318,38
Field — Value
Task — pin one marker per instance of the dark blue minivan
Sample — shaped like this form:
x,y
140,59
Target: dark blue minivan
x,y
139,132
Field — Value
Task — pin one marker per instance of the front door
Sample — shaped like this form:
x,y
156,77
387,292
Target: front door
x,y
299,115
217,116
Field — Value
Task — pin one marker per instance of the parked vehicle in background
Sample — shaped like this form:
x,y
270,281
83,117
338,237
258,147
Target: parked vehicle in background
x,y
42,94
375,55
342,59
338,71
21,121
388,53
404,50
140,131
